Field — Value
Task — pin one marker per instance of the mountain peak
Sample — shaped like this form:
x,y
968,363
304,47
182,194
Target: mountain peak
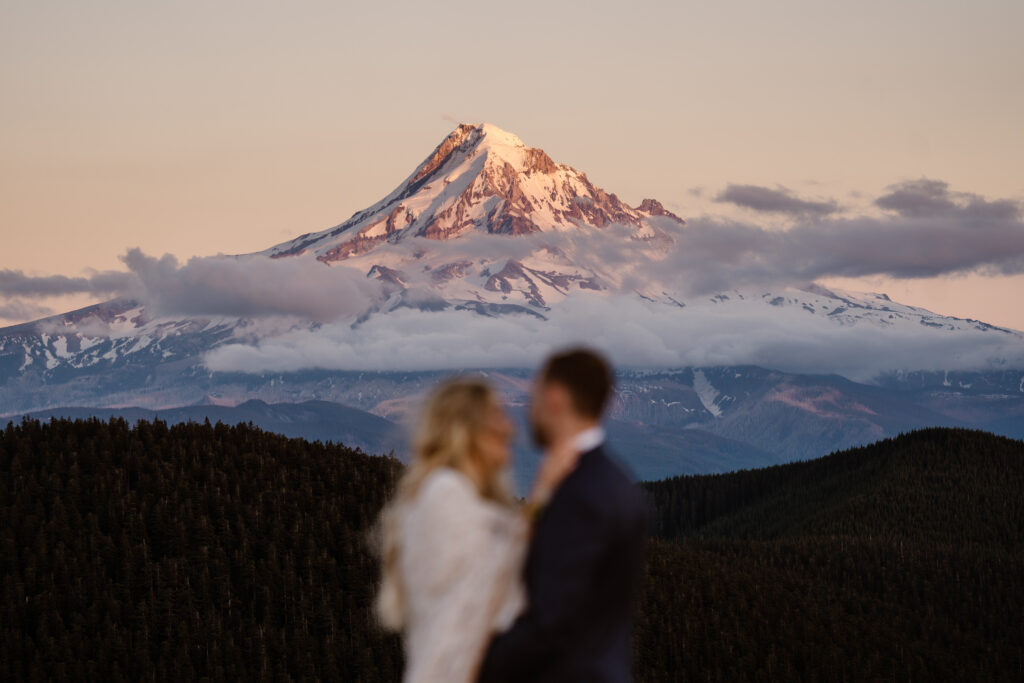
x,y
486,135
486,140
497,136
481,178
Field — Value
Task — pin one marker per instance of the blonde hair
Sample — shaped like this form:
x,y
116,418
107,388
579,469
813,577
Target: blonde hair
x,y
451,422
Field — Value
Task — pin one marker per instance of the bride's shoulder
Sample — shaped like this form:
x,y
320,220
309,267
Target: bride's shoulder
x,y
444,497
446,490
446,482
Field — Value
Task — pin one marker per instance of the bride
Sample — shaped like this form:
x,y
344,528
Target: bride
x,y
453,542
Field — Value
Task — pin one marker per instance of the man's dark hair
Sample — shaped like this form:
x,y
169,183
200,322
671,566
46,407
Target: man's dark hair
x,y
586,375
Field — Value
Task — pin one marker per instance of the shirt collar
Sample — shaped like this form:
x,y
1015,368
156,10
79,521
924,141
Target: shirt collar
x,y
588,439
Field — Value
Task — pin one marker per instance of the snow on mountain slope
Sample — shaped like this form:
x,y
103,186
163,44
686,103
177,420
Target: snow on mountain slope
x,y
706,392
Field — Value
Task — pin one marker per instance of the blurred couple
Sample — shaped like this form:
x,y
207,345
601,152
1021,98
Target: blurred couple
x,y
485,588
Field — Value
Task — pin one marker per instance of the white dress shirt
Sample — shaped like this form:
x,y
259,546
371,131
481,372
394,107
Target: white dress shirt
x,y
588,439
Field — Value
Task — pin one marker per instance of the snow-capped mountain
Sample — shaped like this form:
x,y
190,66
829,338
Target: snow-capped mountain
x,y
484,225
487,231
482,179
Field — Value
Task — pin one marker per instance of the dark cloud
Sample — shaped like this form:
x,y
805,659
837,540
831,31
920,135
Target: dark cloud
x,y
712,255
932,232
251,286
243,286
927,198
767,200
15,283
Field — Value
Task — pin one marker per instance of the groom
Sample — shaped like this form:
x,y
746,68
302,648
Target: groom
x,y
585,557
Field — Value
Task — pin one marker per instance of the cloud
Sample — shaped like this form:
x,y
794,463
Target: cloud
x,y
243,286
713,254
930,231
251,286
926,198
633,332
783,201
17,283
21,310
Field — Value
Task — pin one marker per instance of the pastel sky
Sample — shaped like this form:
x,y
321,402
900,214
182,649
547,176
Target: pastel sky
x,y
202,127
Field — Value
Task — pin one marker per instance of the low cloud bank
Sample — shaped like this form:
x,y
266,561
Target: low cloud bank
x,y
633,332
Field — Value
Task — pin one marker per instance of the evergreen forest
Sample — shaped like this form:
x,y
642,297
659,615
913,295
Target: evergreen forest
x,y
190,552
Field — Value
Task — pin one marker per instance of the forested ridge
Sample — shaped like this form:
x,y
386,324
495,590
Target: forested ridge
x,y
172,553
903,560
942,486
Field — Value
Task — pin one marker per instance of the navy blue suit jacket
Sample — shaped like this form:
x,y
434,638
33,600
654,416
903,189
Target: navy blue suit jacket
x,y
581,575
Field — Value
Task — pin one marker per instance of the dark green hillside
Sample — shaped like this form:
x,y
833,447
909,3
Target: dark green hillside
x,y
944,486
900,561
178,553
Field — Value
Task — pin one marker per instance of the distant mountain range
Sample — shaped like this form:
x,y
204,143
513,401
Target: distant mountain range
x,y
662,423
491,231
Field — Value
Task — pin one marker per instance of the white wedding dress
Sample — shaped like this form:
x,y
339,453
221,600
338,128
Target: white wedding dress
x,y
460,564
